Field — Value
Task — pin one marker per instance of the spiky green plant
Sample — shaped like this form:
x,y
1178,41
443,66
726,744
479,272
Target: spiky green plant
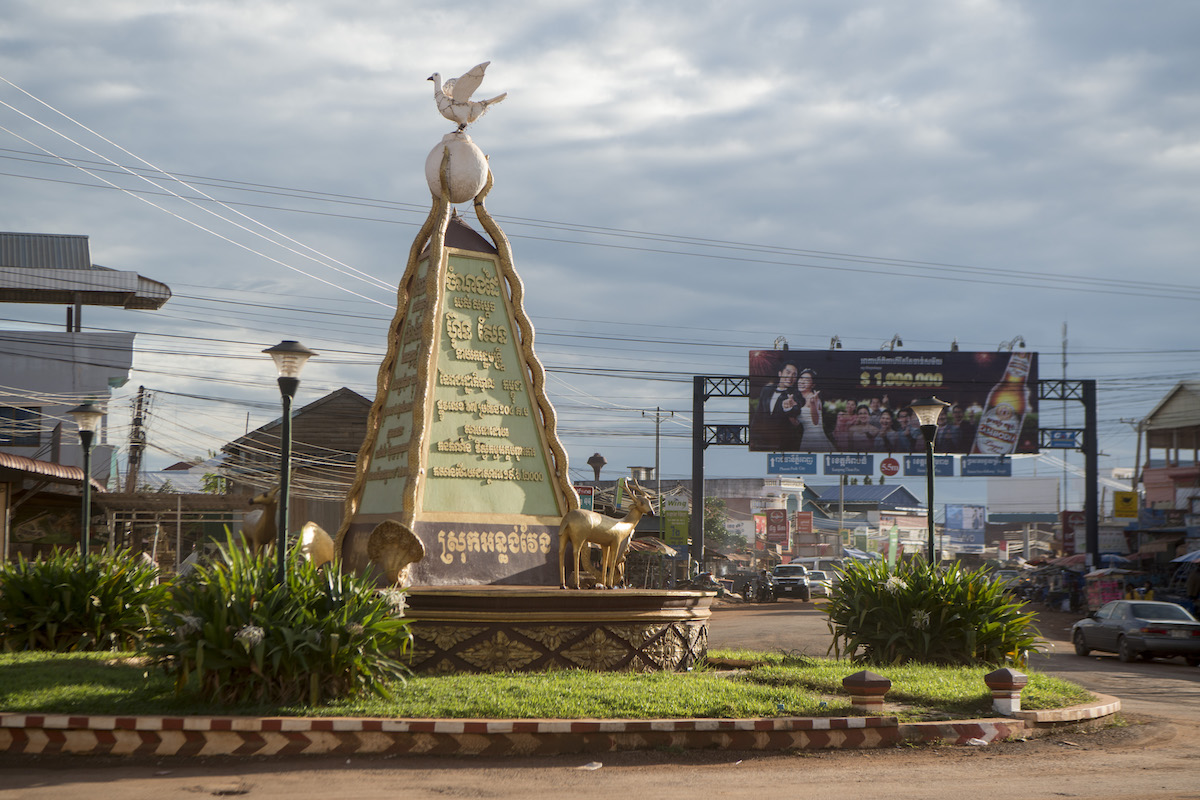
x,y
64,603
235,635
929,614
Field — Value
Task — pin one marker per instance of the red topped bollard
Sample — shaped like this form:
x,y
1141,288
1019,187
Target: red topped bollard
x,y
866,690
1006,685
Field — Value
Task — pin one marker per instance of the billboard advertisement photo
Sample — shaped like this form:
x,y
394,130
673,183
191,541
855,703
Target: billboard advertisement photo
x,y
856,401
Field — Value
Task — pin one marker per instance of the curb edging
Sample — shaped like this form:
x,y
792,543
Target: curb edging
x,y
55,734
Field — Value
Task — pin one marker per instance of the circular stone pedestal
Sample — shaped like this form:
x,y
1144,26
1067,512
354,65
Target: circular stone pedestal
x,y
533,628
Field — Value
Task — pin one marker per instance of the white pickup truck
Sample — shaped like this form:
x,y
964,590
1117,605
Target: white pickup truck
x,y
791,580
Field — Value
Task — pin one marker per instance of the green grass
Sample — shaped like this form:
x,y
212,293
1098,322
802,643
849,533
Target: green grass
x,y
928,691
779,685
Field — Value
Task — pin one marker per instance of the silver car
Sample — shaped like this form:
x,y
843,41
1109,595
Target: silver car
x,y
1139,629
819,584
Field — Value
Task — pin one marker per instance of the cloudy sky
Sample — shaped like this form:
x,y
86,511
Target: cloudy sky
x,y
681,183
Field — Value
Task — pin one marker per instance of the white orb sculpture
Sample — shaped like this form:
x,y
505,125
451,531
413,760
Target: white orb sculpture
x,y
467,170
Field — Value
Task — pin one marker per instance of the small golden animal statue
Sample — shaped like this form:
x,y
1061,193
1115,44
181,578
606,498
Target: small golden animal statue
x,y
316,546
258,526
395,549
582,528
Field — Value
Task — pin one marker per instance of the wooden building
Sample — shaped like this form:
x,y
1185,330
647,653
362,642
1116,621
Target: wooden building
x,y
326,437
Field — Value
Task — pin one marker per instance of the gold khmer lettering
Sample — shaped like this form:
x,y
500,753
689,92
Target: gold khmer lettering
x,y
486,430
484,283
500,544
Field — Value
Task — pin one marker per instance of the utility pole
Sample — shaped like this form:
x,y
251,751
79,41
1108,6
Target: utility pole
x,y
658,412
137,442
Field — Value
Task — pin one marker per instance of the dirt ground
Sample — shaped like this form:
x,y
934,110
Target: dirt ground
x,y
1143,758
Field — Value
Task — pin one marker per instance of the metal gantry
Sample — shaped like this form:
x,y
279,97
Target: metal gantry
x,y
1083,392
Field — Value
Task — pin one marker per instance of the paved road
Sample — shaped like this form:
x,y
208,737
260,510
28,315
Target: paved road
x,y
1166,689
1152,760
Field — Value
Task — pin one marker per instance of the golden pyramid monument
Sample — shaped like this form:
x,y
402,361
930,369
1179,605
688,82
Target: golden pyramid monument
x,y
461,450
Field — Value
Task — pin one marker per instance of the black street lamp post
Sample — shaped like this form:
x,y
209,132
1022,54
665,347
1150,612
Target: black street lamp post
x,y
927,412
87,417
289,357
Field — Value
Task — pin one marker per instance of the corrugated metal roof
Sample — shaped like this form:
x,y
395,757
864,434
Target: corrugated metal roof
x,y
47,268
58,473
44,251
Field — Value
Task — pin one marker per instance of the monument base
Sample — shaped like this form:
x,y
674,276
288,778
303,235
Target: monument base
x,y
535,628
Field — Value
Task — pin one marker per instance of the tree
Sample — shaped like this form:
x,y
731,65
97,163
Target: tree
x,y
716,527
212,483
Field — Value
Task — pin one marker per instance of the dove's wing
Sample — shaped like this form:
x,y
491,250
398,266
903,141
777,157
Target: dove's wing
x,y
465,86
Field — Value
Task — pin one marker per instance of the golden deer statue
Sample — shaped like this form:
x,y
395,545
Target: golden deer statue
x,y
582,528
258,526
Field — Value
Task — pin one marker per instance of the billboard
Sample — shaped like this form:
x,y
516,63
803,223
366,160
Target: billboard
x,y
965,527
856,401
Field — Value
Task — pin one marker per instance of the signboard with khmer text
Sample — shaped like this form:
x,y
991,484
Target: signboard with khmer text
x,y
461,446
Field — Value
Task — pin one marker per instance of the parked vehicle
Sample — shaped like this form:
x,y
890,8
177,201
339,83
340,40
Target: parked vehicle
x,y
760,589
1010,575
1139,629
792,580
819,583
704,582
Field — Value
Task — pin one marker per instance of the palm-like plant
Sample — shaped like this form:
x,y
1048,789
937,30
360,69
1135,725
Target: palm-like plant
x,y
929,614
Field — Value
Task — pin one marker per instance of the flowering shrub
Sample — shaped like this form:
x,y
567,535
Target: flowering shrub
x,y
929,614
237,636
62,603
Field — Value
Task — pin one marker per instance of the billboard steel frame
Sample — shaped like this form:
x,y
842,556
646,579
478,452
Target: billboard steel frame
x,y
708,386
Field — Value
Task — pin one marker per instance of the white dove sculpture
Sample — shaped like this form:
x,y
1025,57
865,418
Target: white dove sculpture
x,y
454,98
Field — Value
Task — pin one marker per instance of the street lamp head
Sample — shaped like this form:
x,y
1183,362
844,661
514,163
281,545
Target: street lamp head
x,y
928,410
289,357
1016,341
87,416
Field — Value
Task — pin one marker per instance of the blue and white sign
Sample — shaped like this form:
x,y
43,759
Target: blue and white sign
x,y
985,466
849,464
1066,439
943,466
965,541
791,464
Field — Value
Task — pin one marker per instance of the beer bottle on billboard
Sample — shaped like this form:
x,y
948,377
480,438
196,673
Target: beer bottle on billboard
x,y
1000,426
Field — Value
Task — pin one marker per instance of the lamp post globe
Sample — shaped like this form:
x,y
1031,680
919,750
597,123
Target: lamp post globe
x,y
289,357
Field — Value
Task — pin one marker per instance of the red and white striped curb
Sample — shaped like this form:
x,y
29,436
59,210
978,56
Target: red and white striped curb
x,y
191,736
446,726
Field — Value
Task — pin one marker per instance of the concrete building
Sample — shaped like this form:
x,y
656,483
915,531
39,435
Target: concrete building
x,y
1168,522
45,373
